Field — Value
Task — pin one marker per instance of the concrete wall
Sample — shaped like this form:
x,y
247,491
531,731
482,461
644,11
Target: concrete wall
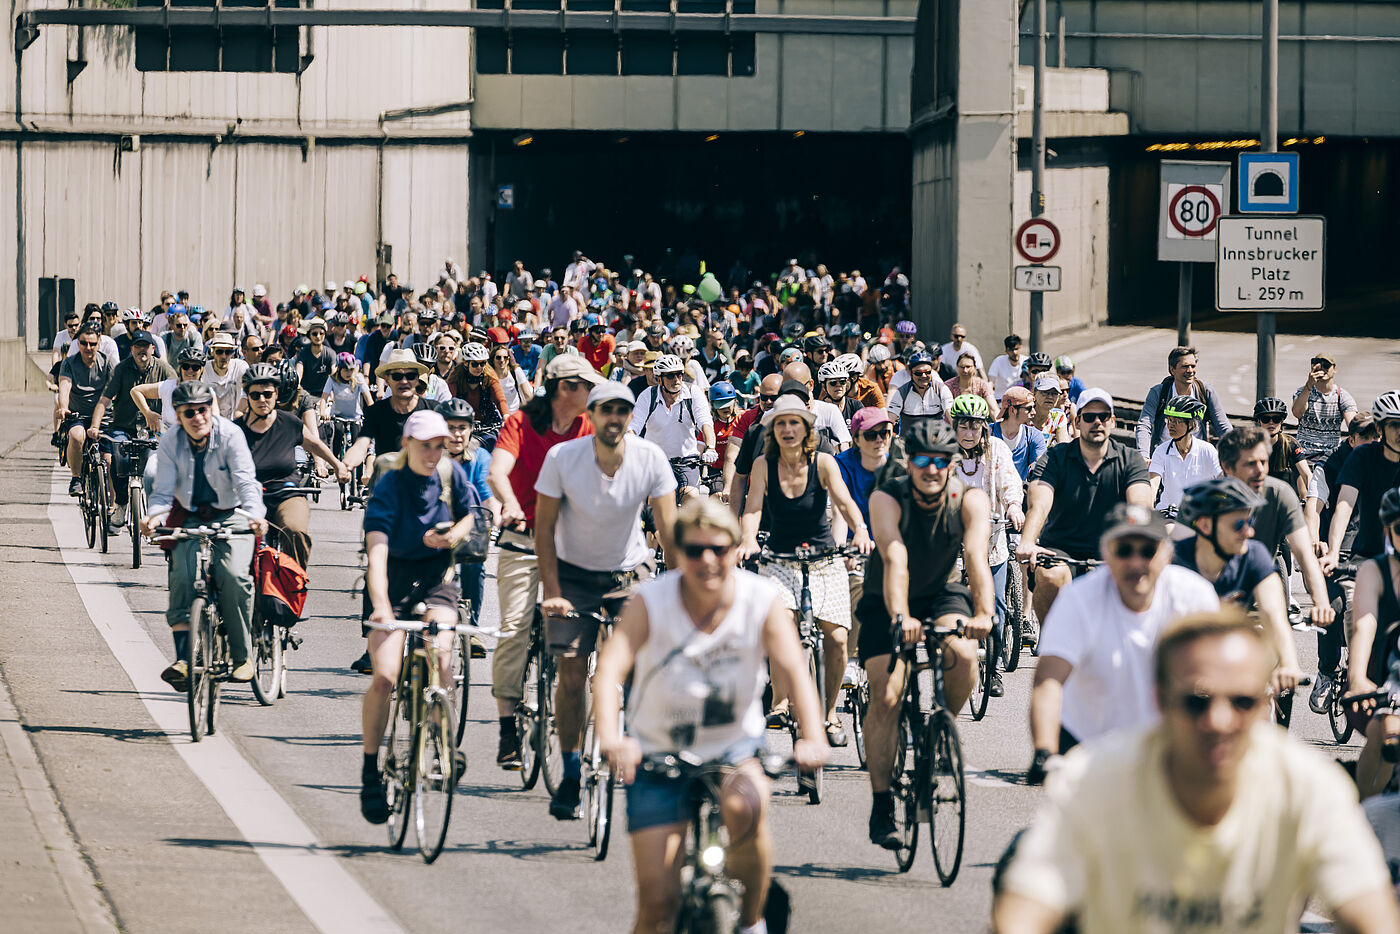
x,y
1076,200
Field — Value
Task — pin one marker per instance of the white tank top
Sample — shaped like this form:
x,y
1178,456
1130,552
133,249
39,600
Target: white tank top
x,y
699,692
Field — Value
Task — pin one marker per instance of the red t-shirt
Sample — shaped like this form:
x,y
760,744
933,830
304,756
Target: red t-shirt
x,y
723,432
742,424
599,354
519,438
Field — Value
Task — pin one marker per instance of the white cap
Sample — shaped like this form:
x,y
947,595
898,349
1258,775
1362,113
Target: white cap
x,y
425,425
1094,395
1048,382
523,305
635,345
259,290
331,286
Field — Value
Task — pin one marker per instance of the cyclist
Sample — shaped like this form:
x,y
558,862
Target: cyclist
x,y
434,388
189,365
590,547
864,391
1181,381
1369,472
1183,459
1287,461
224,374
835,384
1073,488
1064,369
384,420
1323,409
736,483
881,370
1024,441
272,436
82,380
922,520
1053,418
1005,370
316,360
694,642
1177,827
474,380
551,417
135,321
724,409
793,483
1036,365
347,396
967,381
141,367
1221,513
1375,645
1094,671
514,383
985,463
663,411
922,398
409,562
476,460
205,473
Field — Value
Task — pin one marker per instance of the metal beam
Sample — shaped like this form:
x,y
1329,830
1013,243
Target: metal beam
x,y
619,21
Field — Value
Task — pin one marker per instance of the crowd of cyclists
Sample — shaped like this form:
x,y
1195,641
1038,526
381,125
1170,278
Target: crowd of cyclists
x,y
675,473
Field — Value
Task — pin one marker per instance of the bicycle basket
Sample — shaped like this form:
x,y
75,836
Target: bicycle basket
x,y
282,585
473,548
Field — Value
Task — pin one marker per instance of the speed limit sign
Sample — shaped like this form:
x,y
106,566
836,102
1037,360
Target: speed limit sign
x,y
1193,210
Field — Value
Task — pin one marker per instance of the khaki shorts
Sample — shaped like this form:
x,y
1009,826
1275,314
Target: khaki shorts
x,y
585,589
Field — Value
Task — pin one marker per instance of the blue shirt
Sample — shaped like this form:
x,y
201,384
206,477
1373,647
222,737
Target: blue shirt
x,y
1076,386
406,506
477,469
529,361
858,480
1030,445
1241,574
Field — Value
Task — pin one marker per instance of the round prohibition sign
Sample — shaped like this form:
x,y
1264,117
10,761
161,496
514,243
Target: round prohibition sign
x,y
1194,211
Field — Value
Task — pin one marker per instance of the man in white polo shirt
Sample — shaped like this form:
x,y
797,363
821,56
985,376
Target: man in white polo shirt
x,y
672,413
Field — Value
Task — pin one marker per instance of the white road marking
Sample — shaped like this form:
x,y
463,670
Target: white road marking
x,y
332,899
1113,345
1286,348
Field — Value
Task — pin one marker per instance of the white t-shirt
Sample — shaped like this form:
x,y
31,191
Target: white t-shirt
x,y
698,692
673,429
951,355
1112,845
512,384
345,397
599,526
1004,374
229,387
830,419
165,391
1202,462
936,400
1110,647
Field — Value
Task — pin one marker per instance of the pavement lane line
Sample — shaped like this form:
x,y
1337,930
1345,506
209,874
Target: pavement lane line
x,y
1115,344
331,898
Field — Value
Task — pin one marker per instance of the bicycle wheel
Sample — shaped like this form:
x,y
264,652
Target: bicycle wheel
x,y
461,680
85,505
396,760
947,796
1337,713
904,785
220,665
269,658
718,911
103,502
197,685
546,735
527,722
436,776
816,668
858,703
1015,613
981,686
592,784
135,509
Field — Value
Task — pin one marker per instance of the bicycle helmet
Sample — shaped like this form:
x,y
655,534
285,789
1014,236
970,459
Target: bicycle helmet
x,y
931,436
262,373
851,330
790,355
425,352
455,409
970,405
311,324
1038,361
1270,406
1212,497
346,359
1064,365
475,352
792,331
290,386
919,358
191,356
191,392
832,370
1185,407
1386,406
682,346
851,362
879,354
906,327
1390,506
667,364
815,342
131,314
722,393
109,307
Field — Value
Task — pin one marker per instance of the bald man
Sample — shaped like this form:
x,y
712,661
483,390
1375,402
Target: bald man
x,y
831,423
736,485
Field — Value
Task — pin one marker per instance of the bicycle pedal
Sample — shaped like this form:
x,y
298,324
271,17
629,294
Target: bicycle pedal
x,y
294,642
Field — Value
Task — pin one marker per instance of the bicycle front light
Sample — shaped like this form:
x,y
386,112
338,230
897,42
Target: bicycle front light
x,y
712,858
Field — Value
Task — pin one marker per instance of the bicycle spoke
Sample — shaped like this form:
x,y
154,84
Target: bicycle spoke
x,y
436,776
948,796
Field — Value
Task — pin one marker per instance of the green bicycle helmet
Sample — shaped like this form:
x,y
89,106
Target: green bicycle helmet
x,y
1185,407
970,405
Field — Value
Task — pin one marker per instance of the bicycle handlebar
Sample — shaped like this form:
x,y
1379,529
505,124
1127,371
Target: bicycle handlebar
x,y
418,625
930,631
1046,560
678,764
809,555
217,530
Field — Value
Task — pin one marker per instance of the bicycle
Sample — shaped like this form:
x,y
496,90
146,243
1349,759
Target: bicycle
x,y
352,492
598,782
813,642
932,785
534,714
272,640
206,651
1337,710
134,452
709,898
94,496
419,755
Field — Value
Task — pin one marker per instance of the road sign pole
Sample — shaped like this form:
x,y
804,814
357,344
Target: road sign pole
x,y
1183,303
1038,160
1268,142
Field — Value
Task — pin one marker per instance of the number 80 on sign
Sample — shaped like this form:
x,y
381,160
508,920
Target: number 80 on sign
x,y
1193,211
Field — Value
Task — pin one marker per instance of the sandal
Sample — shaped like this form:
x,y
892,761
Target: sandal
x,y
835,734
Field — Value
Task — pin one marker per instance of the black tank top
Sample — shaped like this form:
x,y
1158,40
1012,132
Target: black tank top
x,y
800,520
932,538
1387,642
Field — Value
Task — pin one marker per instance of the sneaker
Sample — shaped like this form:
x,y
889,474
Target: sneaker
x,y
75,487
362,664
508,752
242,673
478,649
835,735
852,674
997,689
564,804
778,719
57,440
118,516
177,675
374,803
882,829
1321,693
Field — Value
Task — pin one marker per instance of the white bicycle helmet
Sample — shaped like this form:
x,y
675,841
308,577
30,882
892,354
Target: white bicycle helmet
x,y
832,370
682,346
851,362
667,364
475,352
131,314
879,353
1387,406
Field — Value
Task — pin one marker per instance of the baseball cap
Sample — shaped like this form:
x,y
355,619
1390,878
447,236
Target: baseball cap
x,y
634,346
608,390
1132,519
143,337
1048,383
425,425
792,387
259,290
498,335
1093,395
1015,395
523,305
571,366
385,318
1326,358
868,418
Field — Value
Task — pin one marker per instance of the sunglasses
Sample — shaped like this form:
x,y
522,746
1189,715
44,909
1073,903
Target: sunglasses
x,y
386,324
1271,419
1024,407
88,345
1193,705
404,376
696,552
876,434
1239,525
195,411
1125,550
476,363
222,352
262,396
924,461
767,400
573,385
192,367
1093,418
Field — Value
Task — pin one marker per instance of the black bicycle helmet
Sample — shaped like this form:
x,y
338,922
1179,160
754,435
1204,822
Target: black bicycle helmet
x,y
191,356
1270,406
1218,495
1185,407
192,392
792,331
425,352
931,436
455,409
815,342
109,307
289,385
1390,506
1039,361
262,373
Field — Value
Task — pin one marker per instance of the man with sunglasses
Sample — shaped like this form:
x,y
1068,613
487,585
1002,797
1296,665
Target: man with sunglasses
x,y
923,398
82,380
224,374
1323,409
371,347
1094,671
1210,820
677,416
1370,471
1026,443
1223,551
1073,489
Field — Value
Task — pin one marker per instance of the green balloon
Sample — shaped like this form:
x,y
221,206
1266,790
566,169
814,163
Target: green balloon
x,y
710,290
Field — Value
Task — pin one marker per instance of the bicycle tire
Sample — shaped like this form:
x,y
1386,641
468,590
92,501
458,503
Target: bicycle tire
x,y
947,796
904,784
435,777
269,657
87,509
982,683
858,702
816,667
220,666
717,911
135,509
547,749
396,760
1337,713
197,682
103,507
527,719
462,679
1014,630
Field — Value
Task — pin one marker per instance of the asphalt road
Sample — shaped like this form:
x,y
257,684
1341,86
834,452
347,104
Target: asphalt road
x,y
259,827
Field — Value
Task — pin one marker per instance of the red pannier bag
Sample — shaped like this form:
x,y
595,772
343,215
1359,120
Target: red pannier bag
x,y
282,586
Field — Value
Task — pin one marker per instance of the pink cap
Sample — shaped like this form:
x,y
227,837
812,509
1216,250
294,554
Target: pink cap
x,y
868,418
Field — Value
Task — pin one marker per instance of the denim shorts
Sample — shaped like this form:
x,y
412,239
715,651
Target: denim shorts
x,y
656,800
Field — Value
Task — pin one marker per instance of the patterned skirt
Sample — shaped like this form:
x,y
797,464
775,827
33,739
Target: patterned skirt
x,y
831,591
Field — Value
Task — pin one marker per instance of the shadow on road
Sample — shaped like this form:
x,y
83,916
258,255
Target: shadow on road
x,y
126,736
